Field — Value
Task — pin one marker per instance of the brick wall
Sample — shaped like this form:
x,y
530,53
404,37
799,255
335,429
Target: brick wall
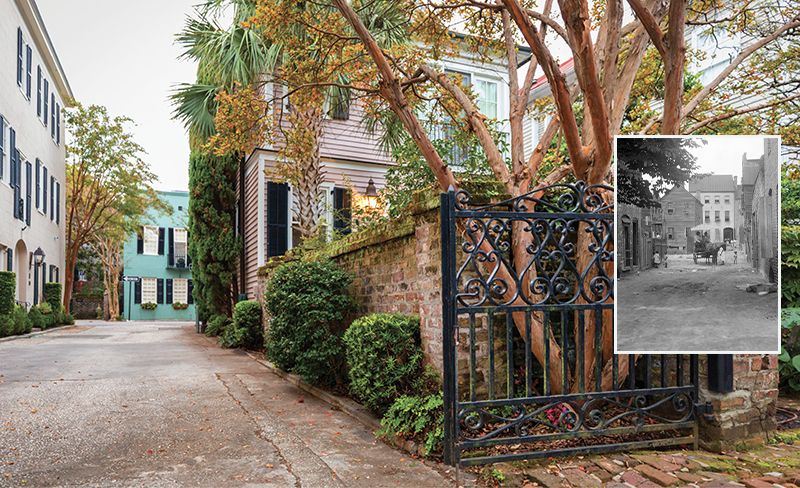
x,y
747,413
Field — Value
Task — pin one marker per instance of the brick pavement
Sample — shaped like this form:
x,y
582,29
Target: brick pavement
x,y
770,466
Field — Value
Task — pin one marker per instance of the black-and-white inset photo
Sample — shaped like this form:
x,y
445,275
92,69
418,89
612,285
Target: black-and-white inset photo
x,y
697,244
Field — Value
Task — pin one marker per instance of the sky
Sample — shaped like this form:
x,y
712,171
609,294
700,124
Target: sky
x,y
722,155
122,54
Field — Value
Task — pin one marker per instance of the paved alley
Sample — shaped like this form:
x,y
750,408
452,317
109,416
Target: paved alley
x,y
154,404
689,307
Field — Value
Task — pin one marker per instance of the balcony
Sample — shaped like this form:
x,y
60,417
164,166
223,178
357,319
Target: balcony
x,y
179,261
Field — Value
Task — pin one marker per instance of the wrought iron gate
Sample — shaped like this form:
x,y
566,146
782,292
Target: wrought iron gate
x,y
529,370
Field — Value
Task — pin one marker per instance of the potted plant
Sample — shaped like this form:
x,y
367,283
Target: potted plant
x,y
180,306
149,306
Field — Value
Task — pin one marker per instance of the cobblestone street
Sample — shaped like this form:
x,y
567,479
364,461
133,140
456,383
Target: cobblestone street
x,y
695,307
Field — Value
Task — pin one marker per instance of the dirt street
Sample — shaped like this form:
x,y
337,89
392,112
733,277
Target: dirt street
x,y
699,307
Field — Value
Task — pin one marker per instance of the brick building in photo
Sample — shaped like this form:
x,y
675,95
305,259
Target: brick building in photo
x,y
760,209
682,211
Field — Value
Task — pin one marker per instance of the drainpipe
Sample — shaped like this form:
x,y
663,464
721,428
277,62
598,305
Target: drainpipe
x,y
240,224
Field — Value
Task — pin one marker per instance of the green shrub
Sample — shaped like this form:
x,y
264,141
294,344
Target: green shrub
x,y
217,325
146,306
8,285
308,302
6,325
68,319
22,324
384,358
52,295
45,308
789,359
246,330
37,319
418,418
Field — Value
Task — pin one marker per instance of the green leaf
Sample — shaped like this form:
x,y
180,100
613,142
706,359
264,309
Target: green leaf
x,y
796,362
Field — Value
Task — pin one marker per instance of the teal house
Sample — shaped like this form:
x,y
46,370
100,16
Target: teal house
x,y
157,283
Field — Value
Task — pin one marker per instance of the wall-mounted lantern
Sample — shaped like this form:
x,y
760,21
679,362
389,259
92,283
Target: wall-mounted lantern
x,y
38,256
371,195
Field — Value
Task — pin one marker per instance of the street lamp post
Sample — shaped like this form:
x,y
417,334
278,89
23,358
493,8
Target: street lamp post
x,y
38,259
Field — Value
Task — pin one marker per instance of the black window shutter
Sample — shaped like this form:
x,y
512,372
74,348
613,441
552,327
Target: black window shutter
x,y
171,254
44,275
160,290
169,290
342,213
38,183
190,292
38,91
44,189
2,144
137,291
28,70
58,123
19,56
35,284
28,185
58,274
52,197
12,166
58,202
53,115
9,260
140,241
50,275
46,98
277,218
160,241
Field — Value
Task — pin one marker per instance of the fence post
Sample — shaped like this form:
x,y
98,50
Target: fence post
x,y
447,228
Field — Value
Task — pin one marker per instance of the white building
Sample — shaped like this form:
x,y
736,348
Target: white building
x,y
33,91
717,193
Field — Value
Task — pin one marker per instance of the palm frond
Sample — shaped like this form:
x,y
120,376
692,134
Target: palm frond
x,y
195,106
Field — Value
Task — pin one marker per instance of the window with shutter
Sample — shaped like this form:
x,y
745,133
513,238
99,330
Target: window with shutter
x,y
44,190
53,115
150,240
52,197
277,218
340,104
58,123
149,290
180,248
180,290
9,260
342,212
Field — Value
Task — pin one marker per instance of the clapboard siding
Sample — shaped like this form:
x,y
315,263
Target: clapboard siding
x,y
341,139
250,231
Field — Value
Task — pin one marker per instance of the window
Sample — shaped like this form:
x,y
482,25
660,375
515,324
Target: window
x,y
180,244
707,200
670,210
707,216
716,198
727,216
150,240
46,98
149,293
44,190
180,290
339,104
716,215
19,56
487,98
670,232
58,123
727,200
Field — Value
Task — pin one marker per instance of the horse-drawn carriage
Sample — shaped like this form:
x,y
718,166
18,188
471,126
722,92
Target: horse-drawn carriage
x,y
707,250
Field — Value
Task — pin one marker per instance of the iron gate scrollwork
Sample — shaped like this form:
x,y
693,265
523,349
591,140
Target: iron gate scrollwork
x,y
529,369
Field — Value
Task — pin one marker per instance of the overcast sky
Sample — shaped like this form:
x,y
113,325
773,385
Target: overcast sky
x,y
122,54
722,155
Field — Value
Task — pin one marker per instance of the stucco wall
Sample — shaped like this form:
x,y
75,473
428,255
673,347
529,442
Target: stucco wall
x,y
143,265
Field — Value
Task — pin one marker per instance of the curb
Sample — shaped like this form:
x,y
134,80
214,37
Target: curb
x,y
34,334
346,405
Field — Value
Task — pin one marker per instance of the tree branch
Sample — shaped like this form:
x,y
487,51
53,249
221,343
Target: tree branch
x,y
650,24
740,111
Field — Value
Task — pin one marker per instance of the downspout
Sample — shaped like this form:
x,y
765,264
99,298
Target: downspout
x,y
240,225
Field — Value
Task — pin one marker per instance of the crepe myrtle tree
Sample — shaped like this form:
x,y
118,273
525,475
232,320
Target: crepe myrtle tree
x,y
608,43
